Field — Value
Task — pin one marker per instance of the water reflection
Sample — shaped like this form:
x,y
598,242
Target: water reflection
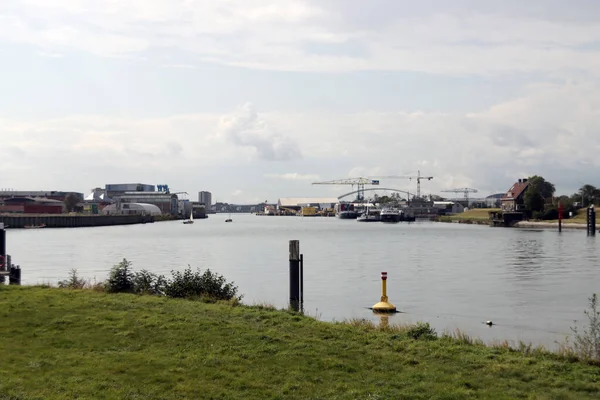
x,y
526,257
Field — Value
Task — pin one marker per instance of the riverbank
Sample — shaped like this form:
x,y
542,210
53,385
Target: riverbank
x,y
85,344
71,220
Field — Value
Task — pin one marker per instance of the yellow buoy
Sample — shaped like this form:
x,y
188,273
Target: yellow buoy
x,y
384,305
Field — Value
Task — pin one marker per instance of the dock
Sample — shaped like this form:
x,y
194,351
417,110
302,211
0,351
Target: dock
x,y
12,221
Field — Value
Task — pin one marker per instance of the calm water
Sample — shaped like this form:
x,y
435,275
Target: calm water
x,y
532,284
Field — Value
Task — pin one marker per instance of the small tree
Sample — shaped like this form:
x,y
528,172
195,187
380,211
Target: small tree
x,y
545,188
71,201
534,201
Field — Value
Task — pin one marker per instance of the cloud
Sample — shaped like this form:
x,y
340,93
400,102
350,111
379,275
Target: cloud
x,y
549,130
459,37
245,128
294,176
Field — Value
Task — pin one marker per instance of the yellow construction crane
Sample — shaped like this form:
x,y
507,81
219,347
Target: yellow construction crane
x,y
417,178
359,182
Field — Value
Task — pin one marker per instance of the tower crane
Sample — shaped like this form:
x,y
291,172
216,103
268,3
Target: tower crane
x,y
417,178
464,191
359,182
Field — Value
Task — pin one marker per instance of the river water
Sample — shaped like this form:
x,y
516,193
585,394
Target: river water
x,y
531,283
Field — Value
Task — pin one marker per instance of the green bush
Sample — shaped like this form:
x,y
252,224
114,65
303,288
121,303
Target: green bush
x,y
422,330
74,281
195,284
586,342
146,282
121,278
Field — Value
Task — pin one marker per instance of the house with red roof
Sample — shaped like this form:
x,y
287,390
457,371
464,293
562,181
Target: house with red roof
x,y
514,200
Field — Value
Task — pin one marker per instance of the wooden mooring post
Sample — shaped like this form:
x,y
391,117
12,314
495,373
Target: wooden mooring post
x,y
296,276
6,267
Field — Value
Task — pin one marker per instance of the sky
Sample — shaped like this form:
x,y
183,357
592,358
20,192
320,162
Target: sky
x,y
255,100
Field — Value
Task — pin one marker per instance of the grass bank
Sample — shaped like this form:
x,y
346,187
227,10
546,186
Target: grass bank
x,y
59,343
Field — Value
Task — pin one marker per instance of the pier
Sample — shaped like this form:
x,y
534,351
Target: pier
x,y
70,221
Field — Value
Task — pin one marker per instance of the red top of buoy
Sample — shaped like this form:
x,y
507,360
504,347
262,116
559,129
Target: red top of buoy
x,y
383,276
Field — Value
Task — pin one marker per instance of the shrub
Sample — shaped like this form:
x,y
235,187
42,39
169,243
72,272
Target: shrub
x,y
422,330
73,281
190,284
121,278
586,343
146,282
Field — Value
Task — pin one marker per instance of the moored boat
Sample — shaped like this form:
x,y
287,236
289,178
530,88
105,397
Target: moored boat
x,y
370,215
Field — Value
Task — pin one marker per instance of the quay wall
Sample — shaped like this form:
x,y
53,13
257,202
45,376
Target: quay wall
x,y
71,221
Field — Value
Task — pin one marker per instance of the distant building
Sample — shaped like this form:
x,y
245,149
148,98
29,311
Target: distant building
x,y
167,203
132,209
30,205
44,194
205,198
494,200
296,203
115,189
514,199
449,207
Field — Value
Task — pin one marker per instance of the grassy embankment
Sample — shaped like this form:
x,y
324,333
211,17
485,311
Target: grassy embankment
x,y
473,216
59,343
481,216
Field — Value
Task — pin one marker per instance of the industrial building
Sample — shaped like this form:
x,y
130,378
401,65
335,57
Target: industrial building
x,y
296,203
205,198
116,189
47,194
31,205
132,209
167,203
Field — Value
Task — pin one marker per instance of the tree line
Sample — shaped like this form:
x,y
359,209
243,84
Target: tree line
x,y
541,202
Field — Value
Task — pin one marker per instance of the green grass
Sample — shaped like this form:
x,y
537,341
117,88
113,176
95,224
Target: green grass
x,y
476,215
84,344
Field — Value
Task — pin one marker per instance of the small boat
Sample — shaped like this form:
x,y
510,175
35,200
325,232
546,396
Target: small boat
x,y
35,226
229,219
369,215
191,220
391,215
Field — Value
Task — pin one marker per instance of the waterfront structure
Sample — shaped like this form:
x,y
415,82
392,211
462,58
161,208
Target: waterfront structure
x,y
116,189
166,202
132,209
205,198
31,205
296,203
47,194
514,200
494,200
449,207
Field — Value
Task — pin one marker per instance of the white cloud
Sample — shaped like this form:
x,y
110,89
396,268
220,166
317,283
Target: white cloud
x,y
551,130
473,38
294,176
245,128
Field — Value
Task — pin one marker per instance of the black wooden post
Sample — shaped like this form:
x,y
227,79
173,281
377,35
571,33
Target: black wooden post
x,y
295,274
302,282
3,259
2,240
15,275
591,221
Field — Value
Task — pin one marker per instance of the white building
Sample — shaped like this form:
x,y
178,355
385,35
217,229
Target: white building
x,y
205,198
132,209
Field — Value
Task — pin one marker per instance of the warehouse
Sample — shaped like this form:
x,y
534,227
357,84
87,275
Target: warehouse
x,y
296,203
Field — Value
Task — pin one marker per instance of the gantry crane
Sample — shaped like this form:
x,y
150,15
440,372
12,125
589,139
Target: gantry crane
x,y
417,178
359,182
465,191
